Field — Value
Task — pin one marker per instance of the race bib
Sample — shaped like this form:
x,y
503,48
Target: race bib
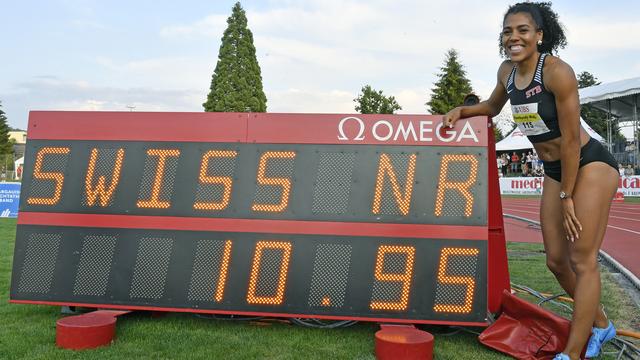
x,y
528,120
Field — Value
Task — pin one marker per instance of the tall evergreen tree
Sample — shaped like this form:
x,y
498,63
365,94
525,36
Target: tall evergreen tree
x,y
452,85
6,147
236,84
595,117
370,101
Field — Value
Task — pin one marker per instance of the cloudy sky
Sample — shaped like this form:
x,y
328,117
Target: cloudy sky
x,y
315,55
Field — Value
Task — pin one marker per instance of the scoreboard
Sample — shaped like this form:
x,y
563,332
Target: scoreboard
x,y
363,217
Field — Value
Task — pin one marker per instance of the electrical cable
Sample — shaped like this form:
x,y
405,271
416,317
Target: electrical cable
x,y
228,317
320,324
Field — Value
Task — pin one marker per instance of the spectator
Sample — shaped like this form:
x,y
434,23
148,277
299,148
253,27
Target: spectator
x,y
621,169
628,171
505,164
535,161
515,160
538,172
523,164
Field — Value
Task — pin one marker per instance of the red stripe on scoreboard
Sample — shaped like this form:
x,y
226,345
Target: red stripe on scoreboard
x,y
255,225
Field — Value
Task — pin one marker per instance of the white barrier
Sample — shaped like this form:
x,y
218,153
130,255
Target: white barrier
x,y
628,185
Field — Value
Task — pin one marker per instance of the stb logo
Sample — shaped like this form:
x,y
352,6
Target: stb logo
x,y
535,90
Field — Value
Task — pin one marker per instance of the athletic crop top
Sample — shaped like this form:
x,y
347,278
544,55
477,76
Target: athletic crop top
x,y
534,108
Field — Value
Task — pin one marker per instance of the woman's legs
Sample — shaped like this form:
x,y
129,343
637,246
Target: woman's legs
x,y
595,187
556,244
575,264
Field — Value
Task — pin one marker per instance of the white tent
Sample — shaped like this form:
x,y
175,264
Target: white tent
x,y
616,96
516,140
590,131
620,100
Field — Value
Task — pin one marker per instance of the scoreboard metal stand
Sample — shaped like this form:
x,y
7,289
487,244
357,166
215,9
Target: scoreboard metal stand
x,y
384,218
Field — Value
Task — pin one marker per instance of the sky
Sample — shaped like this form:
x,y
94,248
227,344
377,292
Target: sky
x,y
314,55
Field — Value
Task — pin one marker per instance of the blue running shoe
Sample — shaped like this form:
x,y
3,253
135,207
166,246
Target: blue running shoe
x,y
598,338
562,356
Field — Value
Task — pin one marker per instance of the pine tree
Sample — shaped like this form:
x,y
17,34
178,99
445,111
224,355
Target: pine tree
x,y
370,101
236,84
452,85
6,147
498,134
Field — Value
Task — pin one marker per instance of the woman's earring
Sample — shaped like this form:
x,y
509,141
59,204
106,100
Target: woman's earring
x,y
539,42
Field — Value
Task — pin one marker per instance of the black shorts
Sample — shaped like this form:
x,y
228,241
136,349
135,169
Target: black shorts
x,y
591,151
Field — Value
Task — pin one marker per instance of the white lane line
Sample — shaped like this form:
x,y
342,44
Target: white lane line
x,y
625,212
524,211
623,218
623,229
611,226
614,206
513,207
626,207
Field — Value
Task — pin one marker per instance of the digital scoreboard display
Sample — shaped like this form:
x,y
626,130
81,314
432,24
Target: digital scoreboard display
x,y
364,217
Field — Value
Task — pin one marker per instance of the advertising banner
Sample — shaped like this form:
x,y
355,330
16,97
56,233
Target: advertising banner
x,y
9,199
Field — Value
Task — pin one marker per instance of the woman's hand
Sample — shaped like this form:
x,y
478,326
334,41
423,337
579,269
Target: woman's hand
x,y
450,118
572,226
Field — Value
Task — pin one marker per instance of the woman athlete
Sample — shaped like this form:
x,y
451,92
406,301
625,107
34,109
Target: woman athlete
x,y
580,175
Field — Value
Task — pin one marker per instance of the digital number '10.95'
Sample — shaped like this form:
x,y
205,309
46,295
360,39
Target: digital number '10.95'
x,y
402,279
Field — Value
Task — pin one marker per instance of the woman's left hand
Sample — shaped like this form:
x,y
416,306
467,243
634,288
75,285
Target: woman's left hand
x,y
572,226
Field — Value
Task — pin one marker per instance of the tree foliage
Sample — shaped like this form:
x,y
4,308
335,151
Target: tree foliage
x,y
370,101
452,85
595,117
236,84
497,133
6,146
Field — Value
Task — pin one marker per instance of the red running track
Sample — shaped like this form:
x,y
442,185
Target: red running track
x,y
621,241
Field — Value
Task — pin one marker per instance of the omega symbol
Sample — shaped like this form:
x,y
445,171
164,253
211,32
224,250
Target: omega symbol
x,y
342,135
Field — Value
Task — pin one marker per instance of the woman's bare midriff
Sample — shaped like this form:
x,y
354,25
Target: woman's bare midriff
x,y
550,150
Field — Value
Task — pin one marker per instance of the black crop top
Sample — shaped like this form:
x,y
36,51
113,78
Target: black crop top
x,y
534,108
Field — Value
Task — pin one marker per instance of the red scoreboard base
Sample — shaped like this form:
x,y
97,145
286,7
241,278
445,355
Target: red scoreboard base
x,y
403,342
87,331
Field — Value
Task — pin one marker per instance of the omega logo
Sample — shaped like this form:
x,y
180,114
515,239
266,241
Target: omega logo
x,y
384,130
358,137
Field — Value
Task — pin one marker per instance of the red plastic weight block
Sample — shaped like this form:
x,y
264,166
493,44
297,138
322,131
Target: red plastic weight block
x,y
86,331
403,342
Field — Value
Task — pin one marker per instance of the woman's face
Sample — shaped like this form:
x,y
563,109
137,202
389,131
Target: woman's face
x,y
520,36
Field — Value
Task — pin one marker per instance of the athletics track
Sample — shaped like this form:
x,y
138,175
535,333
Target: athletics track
x,y
621,241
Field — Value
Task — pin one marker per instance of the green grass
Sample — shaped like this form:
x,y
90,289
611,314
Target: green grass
x,y
632,200
28,331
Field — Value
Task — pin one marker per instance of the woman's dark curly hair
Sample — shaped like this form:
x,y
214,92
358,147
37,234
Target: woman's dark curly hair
x,y
546,20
